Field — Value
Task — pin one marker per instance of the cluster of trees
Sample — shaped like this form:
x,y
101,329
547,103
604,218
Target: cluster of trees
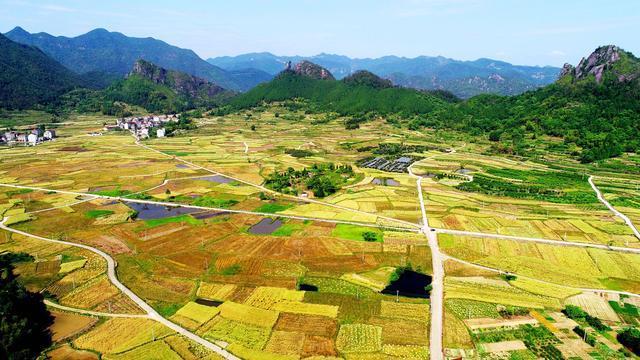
x,y
322,179
576,313
630,338
24,318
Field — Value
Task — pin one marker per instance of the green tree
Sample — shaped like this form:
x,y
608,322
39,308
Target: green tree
x,y
630,338
24,318
369,236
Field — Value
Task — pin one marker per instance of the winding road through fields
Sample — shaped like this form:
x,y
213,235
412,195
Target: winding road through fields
x,y
111,274
613,210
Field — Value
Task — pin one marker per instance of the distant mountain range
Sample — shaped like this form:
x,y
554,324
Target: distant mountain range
x,y
113,54
463,78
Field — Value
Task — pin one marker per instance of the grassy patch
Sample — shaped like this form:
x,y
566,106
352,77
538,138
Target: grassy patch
x,y
272,208
94,214
176,219
354,232
208,201
286,229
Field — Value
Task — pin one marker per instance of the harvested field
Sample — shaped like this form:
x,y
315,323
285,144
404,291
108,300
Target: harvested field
x,y
285,342
312,325
154,350
594,305
121,334
402,331
298,307
66,325
504,346
319,346
271,297
110,244
66,352
220,292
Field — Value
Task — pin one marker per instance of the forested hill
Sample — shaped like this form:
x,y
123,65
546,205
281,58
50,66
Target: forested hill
x,y
160,90
29,77
358,94
595,107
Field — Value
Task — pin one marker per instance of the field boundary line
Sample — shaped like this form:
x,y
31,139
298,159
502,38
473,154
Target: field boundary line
x,y
613,210
265,189
539,240
500,271
111,273
205,208
93,313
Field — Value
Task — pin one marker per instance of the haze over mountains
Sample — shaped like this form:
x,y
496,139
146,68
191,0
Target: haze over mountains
x,y
108,56
463,78
114,54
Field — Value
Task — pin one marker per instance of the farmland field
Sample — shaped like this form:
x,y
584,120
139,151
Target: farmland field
x,y
310,286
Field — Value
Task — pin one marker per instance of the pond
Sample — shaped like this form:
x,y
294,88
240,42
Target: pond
x,y
307,287
410,284
154,211
265,227
385,181
206,302
209,214
216,179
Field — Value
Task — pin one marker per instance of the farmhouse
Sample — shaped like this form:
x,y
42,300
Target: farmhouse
x,y
32,137
140,125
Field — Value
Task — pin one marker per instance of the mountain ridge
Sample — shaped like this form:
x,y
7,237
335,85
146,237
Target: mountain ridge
x,y
464,78
115,53
29,77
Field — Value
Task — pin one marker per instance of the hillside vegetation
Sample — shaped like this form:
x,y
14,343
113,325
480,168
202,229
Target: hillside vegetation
x,y
29,77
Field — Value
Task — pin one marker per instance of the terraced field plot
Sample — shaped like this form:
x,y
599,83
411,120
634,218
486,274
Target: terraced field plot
x,y
578,267
511,201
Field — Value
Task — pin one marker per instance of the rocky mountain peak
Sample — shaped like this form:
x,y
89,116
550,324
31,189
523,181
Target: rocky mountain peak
x,y
601,59
180,82
309,69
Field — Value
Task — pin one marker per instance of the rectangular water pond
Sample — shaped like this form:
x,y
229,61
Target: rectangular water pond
x,y
265,227
154,211
216,179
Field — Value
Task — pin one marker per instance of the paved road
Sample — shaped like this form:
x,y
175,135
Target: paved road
x,y
437,281
270,191
613,210
151,313
206,208
539,240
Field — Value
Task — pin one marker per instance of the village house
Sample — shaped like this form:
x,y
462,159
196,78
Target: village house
x,y
140,125
30,137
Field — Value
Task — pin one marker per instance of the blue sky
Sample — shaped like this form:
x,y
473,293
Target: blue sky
x,y
535,32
